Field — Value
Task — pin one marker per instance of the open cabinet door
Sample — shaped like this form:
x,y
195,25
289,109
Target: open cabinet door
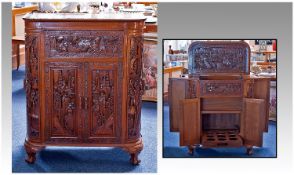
x,y
253,121
176,93
262,91
190,128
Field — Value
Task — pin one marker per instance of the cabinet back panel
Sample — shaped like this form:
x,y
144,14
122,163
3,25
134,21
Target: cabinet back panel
x,y
225,104
220,121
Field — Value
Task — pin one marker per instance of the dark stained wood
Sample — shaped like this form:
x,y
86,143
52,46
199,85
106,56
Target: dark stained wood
x,y
216,88
218,121
219,96
84,81
221,138
219,57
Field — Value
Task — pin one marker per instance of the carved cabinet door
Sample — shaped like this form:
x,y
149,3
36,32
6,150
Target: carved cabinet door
x,y
103,92
63,94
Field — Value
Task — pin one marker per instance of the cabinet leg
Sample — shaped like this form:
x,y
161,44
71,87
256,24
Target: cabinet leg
x,y
31,152
134,159
191,149
249,150
134,150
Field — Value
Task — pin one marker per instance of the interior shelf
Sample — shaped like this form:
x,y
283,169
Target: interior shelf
x,y
221,138
220,112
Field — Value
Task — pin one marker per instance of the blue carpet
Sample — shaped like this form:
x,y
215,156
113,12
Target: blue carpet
x,y
79,159
172,149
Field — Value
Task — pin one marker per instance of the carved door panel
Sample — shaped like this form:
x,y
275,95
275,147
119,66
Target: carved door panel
x,y
63,94
253,121
104,89
190,122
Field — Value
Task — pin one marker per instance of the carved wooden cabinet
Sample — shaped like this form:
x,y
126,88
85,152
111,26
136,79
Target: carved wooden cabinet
x,y
219,104
83,81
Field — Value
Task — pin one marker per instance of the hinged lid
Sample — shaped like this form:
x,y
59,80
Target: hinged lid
x,y
210,57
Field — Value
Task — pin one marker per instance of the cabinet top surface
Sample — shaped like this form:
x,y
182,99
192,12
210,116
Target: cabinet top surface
x,y
84,17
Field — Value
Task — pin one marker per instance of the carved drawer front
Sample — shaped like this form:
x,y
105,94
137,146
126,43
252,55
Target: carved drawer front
x,y
84,44
104,89
221,88
63,89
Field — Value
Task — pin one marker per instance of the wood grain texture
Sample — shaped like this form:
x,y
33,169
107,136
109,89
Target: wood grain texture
x,y
176,93
253,124
190,122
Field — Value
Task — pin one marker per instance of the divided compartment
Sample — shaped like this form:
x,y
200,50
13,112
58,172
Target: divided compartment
x,y
221,138
221,130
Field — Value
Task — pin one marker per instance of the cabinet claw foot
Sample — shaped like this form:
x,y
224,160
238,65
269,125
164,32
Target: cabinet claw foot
x,y
31,158
134,150
134,159
31,151
191,149
249,150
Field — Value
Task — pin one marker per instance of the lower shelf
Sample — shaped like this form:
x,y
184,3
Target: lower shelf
x,y
221,138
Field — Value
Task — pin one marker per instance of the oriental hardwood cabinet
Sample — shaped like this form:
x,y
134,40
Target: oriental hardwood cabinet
x,y
83,81
219,104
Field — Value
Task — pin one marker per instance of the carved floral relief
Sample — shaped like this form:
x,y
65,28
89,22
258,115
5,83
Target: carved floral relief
x,y
64,102
135,87
31,85
103,105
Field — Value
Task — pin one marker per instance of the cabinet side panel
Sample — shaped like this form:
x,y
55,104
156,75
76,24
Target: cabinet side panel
x,y
190,128
253,112
135,87
32,86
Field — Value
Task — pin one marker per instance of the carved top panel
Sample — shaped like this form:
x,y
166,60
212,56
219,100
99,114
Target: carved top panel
x,y
219,57
80,44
